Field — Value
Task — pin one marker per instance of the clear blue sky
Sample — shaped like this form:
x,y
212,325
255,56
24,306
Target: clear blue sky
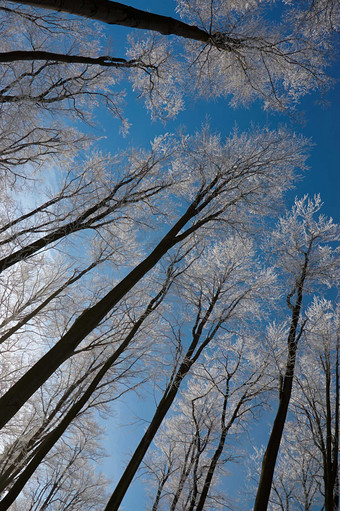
x,y
321,124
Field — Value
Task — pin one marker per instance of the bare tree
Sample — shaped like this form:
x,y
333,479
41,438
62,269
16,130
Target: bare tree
x,y
229,49
224,391
317,401
219,287
302,248
221,189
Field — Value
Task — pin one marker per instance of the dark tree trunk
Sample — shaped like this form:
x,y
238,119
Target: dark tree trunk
x,y
105,61
115,13
144,444
332,440
199,447
336,432
270,455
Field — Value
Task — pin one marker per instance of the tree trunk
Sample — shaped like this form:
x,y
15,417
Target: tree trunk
x,y
270,456
105,61
162,409
336,432
332,441
115,13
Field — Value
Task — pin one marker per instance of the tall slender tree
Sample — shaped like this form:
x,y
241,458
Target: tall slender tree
x,y
317,401
198,440
302,247
219,287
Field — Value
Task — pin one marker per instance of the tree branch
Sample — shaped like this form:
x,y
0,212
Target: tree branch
x,y
106,61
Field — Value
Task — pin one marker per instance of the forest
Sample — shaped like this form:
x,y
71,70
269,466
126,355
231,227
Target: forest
x,y
169,264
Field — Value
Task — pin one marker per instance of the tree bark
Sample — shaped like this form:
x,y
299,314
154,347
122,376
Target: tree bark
x,y
115,13
105,61
159,490
270,455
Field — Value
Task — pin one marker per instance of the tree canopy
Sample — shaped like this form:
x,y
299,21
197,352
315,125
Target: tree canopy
x,y
183,273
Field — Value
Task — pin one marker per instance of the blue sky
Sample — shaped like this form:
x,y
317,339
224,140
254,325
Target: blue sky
x,y
321,125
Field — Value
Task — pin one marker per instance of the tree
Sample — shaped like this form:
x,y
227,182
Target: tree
x,y
192,447
302,248
92,200
221,288
317,400
229,180
230,49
